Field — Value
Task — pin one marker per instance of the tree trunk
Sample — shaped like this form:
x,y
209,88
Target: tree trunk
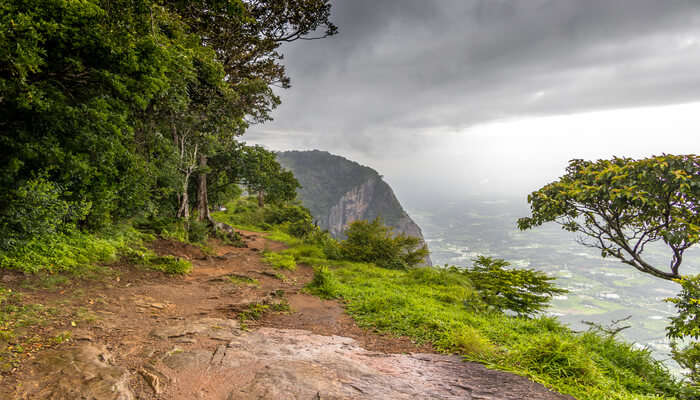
x,y
184,210
261,199
202,199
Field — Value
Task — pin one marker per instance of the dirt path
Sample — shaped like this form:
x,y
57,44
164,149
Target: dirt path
x,y
224,332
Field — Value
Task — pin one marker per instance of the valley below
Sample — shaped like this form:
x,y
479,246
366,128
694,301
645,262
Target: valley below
x,y
600,290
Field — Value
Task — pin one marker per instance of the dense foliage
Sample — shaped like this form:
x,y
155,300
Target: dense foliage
x,y
376,243
684,330
522,291
115,109
622,205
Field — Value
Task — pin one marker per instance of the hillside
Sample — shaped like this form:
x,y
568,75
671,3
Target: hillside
x,y
339,191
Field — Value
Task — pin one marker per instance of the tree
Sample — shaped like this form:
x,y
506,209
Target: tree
x,y
523,291
262,174
245,36
73,77
620,206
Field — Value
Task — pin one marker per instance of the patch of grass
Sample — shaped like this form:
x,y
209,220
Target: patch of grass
x,y
280,276
170,265
145,257
430,305
324,283
242,280
280,261
74,252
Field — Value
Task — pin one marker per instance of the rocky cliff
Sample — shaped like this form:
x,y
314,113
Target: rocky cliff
x,y
338,191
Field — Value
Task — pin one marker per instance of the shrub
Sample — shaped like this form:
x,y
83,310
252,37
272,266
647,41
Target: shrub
x,y
522,291
376,243
324,283
36,210
684,329
197,231
558,357
72,252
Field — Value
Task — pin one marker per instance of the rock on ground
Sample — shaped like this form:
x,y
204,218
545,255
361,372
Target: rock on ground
x,y
295,364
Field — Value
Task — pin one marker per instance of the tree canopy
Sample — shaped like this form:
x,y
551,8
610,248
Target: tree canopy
x,y
112,109
622,205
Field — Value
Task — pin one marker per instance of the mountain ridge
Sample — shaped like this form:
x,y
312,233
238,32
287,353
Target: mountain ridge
x,y
339,191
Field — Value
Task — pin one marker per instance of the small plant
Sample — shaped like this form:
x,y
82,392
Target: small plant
x,y
256,311
198,231
243,280
324,284
170,265
280,261
469,342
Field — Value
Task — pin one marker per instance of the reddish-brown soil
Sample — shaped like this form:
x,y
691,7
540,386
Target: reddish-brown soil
x,y
122,310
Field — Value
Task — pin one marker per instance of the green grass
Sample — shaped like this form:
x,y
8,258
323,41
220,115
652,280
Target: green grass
x,y
240,280
75,252
433,306
280,261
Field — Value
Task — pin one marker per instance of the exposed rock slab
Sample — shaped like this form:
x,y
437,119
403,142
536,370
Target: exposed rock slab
x,y
216,327
79,372
294,364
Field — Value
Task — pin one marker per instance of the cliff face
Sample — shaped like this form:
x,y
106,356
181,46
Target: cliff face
x,y
338,191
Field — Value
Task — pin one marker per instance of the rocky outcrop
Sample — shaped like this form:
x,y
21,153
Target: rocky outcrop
x,y
338,192
271,363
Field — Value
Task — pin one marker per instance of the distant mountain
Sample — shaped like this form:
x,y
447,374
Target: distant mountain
x,y
338,191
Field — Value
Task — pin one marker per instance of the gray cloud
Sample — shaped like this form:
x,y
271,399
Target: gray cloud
x,y
399,69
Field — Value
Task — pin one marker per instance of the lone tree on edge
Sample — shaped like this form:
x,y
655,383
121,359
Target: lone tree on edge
x,y
621,205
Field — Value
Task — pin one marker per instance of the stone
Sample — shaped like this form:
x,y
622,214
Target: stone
x,y
294,364
79,372
153,381
201,326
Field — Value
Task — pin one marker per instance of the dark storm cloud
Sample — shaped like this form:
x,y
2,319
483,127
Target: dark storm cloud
x,y
399,69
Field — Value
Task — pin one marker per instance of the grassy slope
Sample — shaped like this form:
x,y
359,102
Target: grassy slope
x,y
430,305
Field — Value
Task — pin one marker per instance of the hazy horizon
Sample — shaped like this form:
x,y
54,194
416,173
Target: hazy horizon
x,y
492,97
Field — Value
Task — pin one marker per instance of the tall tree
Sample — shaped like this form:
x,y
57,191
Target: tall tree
x,y
246,36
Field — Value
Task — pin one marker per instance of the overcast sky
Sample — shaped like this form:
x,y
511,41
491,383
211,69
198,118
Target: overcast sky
x,y
468,96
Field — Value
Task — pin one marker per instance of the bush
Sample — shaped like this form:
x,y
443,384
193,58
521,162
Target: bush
x,y
36,210
522,291
558,357
684,330
376,243
197,231
324,284
73,251
245,213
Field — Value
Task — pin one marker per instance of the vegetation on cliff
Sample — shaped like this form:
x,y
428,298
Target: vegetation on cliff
x,y
330,186
478,312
